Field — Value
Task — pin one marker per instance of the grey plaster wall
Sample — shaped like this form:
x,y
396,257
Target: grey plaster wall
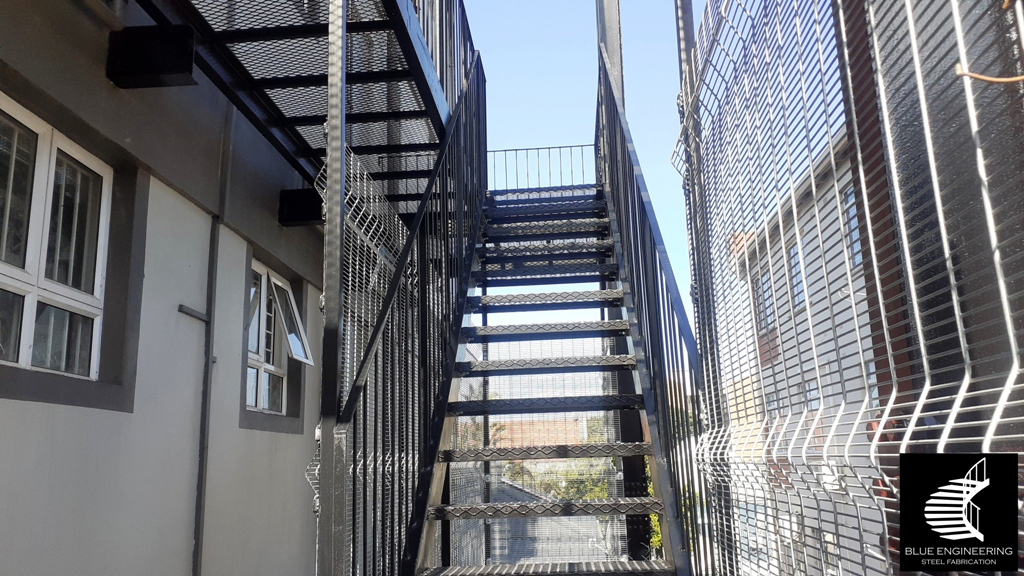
x,y
259,517
95,492
101,493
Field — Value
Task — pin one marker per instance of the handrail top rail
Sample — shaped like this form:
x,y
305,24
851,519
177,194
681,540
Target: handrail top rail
x,y
670,277
349,406
540,148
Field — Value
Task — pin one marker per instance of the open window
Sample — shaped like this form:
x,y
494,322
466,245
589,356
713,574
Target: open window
x,y
274,334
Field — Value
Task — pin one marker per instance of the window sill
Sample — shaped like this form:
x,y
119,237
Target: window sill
x,y
39,370
267,412
270,422
20,383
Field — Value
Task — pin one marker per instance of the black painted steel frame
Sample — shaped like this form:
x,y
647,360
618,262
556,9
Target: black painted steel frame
x,y
666,352
391,418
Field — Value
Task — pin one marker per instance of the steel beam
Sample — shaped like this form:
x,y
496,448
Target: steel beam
x,y
295,32
548,365
402,175
270,33
518,332
396,148
313,80
370,117
405,23
223,68
310,120
547,405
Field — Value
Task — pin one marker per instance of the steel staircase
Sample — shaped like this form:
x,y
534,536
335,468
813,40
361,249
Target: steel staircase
x,y
545,467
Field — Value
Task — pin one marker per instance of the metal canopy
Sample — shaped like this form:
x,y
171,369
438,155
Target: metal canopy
x,y
269,57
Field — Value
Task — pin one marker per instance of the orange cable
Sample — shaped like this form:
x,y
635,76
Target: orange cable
x,y
961,72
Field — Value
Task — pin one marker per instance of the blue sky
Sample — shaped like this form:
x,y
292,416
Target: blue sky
x,y
540,57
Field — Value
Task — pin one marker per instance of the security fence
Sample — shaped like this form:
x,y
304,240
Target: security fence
x,y
852,170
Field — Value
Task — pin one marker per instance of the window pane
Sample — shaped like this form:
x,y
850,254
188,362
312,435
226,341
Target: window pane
x,y
17,163
10,325
74,225
796,276
254,313
63,340
270,336
853,224
251,382
286,308
272,392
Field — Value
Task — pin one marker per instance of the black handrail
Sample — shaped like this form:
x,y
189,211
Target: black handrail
x,y
659,328
359,381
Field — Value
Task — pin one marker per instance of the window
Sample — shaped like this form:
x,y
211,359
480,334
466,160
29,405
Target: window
x,y
54,219
771,402
275,334
796,275
872,378
853,227
764,304
812,394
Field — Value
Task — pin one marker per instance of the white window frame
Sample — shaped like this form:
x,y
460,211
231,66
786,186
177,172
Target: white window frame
x,y
31,282
255,359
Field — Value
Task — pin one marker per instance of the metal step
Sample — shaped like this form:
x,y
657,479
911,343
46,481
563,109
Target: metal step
x,y
555,451
636,568
537,275
547,211
542,190
564,365
518,332
552,251
555,230
572,300
547,405
605,507
527,198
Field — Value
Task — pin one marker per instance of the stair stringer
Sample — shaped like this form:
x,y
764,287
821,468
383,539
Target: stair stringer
x,y
661,479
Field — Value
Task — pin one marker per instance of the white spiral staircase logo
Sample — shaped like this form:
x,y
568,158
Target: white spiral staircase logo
x,y
950,511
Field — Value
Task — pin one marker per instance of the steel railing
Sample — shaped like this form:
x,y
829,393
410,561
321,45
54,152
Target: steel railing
x,y
450,42
670,374
548,167
403,313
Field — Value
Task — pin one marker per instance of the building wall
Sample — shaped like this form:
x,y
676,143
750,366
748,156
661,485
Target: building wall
x,y
97,492
259,508
112,491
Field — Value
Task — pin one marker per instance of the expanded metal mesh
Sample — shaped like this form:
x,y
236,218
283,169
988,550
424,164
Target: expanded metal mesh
x,y
855,219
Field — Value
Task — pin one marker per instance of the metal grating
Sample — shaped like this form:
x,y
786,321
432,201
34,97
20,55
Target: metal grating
x,y
853,210
596,450
633,506
559,568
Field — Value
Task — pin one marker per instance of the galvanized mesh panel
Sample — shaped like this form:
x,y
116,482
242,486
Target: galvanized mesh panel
x,y
374,236
850,240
